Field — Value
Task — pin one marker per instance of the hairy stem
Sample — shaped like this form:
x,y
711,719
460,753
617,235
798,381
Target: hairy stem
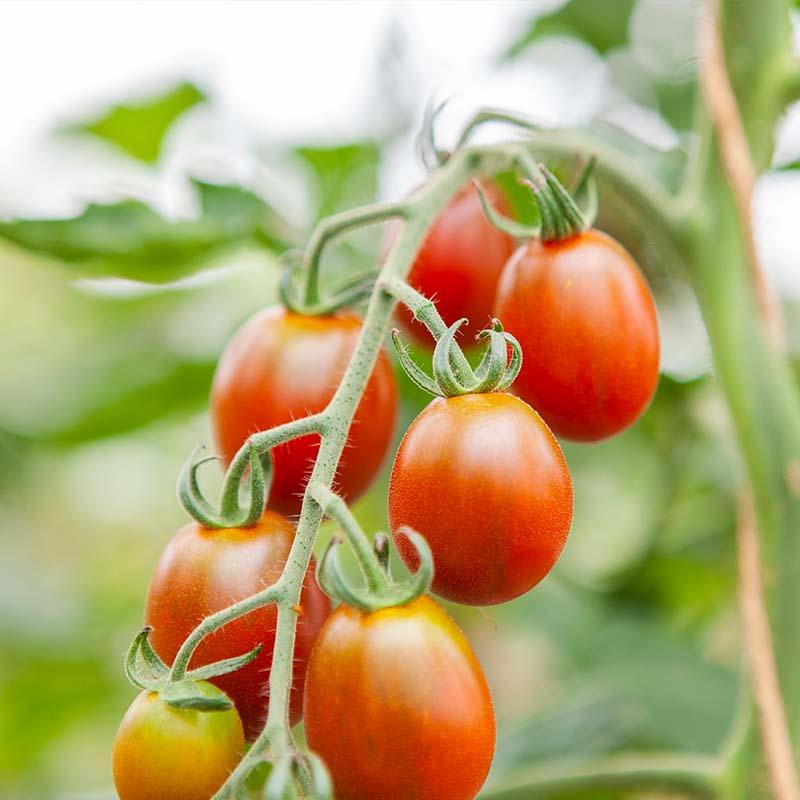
x,y
418,214
333,505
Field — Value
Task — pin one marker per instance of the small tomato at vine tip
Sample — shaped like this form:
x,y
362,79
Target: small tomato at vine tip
x,y
203,571
483,479
587,323
397,705
460,263
167,753
281,366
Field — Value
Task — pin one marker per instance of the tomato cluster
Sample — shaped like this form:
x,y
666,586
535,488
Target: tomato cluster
x,y
394,700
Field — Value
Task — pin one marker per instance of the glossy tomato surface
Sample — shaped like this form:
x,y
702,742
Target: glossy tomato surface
x,y
203,571
483,479
281,366
398,707
164,752
459,264
587,323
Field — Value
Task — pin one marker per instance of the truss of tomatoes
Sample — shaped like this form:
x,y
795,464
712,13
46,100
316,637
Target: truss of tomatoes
x,y
395,701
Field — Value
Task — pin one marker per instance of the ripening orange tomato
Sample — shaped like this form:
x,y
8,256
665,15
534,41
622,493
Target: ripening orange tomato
x,y
281,366
483,479
397,705
587,323
203,571
178,753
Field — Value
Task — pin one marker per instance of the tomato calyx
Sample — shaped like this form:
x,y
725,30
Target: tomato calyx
x,y
232,513
562,213
495,372
145,669
348,293
380,590
336,585
296,774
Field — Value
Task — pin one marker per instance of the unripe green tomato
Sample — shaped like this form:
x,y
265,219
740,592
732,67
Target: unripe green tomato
x,y
167,753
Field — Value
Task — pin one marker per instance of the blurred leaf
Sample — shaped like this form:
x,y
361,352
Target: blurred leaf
x,y
603,29
139,128
128,239
585,725
343,177
176,389
621,654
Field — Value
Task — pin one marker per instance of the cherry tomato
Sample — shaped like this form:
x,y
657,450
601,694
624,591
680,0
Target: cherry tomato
x,y
178,753
483,479
460,263
280,366
587,324
398,707
203,571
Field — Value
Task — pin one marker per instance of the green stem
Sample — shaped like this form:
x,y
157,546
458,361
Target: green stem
x,y
333,505
328,229
419,213
424,309
271,594
691,776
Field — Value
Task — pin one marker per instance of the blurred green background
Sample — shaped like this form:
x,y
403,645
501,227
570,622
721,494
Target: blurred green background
x,y
205,161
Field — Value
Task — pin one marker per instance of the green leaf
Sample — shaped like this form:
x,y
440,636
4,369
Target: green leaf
x,y
139,128
342,177
603,28
123,405
128,239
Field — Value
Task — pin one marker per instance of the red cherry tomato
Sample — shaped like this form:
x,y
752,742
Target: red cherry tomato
x,y
280,366
460,263
587,324
203,571
483,479
177,753
398,707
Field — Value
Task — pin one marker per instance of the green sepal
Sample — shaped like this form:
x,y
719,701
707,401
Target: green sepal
x,y
224,666
380,545
196,695
232,514
443,372
492,368
417,376
345,295
280,785
515,229
149,675
320,778
332,580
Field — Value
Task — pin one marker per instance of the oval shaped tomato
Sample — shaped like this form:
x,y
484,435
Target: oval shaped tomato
x,y
397,705
460,263
586,321
281,366
203,571
483,479
178,753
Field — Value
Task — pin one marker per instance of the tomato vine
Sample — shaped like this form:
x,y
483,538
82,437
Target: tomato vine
x,y
683,223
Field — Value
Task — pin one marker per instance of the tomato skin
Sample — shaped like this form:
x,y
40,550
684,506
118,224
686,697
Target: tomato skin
x,y
177,753
203,571
398,707
460,263
483,479
282,366
587,323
